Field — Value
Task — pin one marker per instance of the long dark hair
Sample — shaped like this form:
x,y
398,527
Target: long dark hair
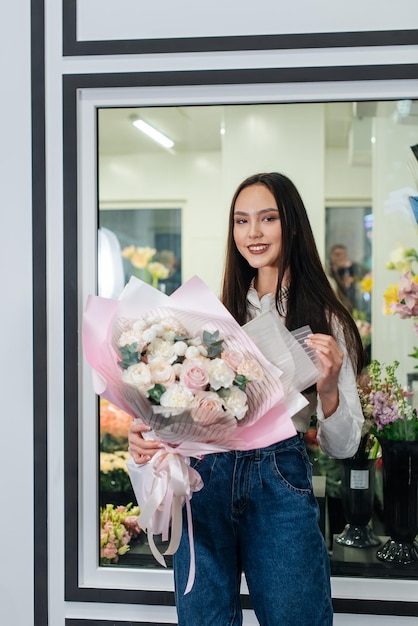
x,y
311,299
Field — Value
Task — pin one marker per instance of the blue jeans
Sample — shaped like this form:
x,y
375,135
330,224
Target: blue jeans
x,y
256,514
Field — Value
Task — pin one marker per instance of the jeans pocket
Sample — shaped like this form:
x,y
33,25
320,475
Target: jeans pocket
x,y
205,466
293,469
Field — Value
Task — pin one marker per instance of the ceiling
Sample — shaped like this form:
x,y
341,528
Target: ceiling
x,y
197,128
194,128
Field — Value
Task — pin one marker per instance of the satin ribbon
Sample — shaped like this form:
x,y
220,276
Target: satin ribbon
x,y
173,485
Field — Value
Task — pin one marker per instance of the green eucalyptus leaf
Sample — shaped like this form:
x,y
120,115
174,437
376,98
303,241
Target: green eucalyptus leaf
x,y
129,355
156,392
213,343
241,381
223,392
214,350
181,338
210,338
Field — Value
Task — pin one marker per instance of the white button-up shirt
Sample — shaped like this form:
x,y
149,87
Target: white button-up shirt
x,y
339,434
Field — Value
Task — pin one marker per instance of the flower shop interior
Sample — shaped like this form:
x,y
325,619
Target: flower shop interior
x,y
153,201
326,95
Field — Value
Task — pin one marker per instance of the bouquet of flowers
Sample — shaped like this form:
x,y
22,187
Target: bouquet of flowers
x,y
365,329
413,165
385,403
118,525
401,298
192,381
369,444
183,365
148,269
113,471
114,427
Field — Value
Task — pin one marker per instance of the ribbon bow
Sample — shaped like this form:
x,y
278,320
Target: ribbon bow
x,y
170,484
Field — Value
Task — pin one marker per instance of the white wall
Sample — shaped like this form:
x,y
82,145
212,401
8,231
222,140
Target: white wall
x,y
278,139
345,183
126,19
16,518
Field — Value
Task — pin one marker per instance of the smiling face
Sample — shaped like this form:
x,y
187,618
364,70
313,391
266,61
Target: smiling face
x,y
257,228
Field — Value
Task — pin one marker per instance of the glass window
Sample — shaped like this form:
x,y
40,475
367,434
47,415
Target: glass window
x,y
356,172
145,243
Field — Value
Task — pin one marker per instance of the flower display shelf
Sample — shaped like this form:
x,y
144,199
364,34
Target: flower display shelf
x,y
348,561
140,554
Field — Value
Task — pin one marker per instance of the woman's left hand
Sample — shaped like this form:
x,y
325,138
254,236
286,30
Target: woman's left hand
x,y
331,358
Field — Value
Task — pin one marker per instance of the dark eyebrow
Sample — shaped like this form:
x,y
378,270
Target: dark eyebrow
x,y
261,212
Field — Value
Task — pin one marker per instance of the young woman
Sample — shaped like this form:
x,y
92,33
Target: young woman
x,y
257,513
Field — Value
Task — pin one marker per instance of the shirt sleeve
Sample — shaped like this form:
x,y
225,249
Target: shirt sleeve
x,y
339,434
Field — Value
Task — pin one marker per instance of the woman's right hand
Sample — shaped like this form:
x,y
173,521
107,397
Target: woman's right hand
x,y
140,449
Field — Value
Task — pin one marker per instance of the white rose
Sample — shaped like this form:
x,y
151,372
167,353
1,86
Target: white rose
x,y
220,374
236,403
153,320
178,368
162,373
161,350
159,329
168,335
139,325
128,337
138,375
177,397
203,350
203,359
180,348
170,323
192,352
149,335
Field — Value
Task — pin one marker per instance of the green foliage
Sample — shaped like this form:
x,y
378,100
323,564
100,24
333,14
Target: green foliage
x,y
394,417
130,356
400,430
156,392
414,355
115,480
213,343
109,443
223,392
241,381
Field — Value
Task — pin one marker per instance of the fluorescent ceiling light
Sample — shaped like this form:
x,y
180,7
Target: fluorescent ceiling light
x,y
153,133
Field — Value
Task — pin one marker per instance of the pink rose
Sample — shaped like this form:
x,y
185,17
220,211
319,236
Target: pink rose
x,y
232,358
251,369
194,376
207,408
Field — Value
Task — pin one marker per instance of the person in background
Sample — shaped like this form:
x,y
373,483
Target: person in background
x,y
257,513
344,275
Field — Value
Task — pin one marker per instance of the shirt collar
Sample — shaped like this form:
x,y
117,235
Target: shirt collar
x,y
267,301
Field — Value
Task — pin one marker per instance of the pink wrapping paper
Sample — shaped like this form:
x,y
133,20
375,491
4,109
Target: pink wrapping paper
x,y
159,491
197,308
